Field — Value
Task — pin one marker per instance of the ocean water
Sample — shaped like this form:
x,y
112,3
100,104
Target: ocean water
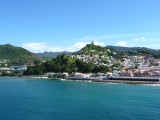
x,y
39,99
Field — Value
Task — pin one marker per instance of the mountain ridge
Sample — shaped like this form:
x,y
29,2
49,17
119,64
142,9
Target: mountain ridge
x,y
116,48
132,49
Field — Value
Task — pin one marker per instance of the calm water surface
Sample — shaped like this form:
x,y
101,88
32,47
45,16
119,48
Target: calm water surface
x,y
32,99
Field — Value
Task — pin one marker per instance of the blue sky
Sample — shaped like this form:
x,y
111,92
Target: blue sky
x,y
57,25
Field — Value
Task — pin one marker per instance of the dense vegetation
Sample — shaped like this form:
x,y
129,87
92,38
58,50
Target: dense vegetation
x,y
10,52
91,49
13,55
64,63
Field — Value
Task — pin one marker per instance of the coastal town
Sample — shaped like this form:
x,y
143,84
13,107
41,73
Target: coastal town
x,y
127,66
130,66
79,59
124,65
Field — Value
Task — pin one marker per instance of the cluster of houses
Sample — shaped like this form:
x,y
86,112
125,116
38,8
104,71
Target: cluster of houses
x,y
140,66
97,59
130,66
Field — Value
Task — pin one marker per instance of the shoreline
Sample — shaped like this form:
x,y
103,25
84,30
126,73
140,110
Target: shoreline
x,y
92,80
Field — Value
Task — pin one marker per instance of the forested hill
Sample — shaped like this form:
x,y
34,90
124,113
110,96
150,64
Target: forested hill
x,y
96,49
8,51
13,55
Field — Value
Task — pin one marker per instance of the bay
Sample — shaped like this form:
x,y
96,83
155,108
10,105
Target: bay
x,y
42,99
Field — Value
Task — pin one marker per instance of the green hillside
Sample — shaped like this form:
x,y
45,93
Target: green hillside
x,y
8,51
91,49
13,55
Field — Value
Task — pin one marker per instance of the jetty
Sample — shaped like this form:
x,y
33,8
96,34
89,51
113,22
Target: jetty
x,y
131,80
154,79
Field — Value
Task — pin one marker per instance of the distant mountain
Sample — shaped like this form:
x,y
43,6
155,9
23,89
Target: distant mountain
x,y
13,55
52,54
134,49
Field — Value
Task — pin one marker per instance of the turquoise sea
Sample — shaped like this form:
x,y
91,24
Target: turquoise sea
x,y
39,99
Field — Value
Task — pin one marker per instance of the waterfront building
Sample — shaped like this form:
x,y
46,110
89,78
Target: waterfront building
x,y
126,73
81,75
19,68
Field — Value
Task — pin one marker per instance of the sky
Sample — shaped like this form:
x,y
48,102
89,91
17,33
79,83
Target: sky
x,y
68,25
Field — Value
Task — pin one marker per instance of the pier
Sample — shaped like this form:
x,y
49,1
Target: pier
x,y
152,79
131,80
125,80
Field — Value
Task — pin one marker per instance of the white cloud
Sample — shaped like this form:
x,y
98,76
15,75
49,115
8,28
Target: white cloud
x,y
78,45
55,49
99,43
122,43
43,46
35,47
